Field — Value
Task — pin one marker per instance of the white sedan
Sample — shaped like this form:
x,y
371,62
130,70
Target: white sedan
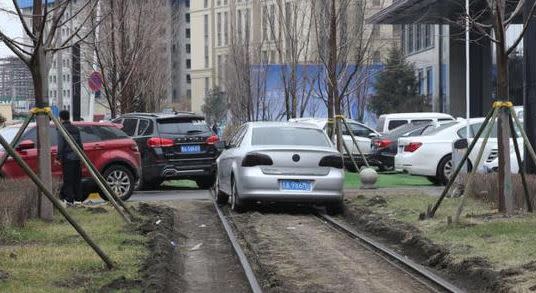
x,y
430,155
362,133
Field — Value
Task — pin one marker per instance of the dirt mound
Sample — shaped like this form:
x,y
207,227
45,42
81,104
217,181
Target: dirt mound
x,y
121,283
162,268
376,201
474,274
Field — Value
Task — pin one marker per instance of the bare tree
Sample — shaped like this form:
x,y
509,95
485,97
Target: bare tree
x,y
130,54
44,34
492,21
343,43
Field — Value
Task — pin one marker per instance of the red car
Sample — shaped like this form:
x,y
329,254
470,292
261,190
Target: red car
x,y
112,152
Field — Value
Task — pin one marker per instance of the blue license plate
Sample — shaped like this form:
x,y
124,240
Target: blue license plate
x,y
190,149
296,185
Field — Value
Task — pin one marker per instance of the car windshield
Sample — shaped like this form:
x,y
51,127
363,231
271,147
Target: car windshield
x,y
8,134
405,129
289,136
182,126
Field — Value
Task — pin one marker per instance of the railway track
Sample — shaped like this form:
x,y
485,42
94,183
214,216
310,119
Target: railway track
x,y
418,272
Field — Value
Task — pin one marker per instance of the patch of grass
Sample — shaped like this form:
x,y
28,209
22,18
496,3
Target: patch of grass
x,y
504,241
351,180
180,183
52,257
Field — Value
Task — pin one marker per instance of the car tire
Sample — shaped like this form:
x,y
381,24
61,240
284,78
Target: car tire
x,y
120,180
237,204
444,165
206,182
333,209
221,197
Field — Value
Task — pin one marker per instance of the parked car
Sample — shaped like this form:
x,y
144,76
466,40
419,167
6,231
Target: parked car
x,y
385,147
173,146
112,152
280,162
388,122
362,133
430,155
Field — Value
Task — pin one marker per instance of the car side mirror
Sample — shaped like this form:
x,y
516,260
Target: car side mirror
x,y
25,145
373,135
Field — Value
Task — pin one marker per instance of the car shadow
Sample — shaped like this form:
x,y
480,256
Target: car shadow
x,y
283,208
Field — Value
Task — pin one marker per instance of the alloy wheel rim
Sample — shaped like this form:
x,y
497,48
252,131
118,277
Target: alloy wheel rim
x,y
119,182
447,170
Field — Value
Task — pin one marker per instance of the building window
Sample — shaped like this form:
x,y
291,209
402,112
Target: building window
x,y
187,3
429,82
187,17
225,27
428,36
207,86
376,3
418,37
420,76
188,79
247,24
187,33
219,28
205,5
188,63
188,48
239,24
410,39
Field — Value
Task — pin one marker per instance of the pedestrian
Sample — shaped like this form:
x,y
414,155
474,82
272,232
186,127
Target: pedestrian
x,y
70,161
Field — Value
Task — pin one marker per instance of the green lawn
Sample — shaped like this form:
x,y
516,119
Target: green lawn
x,y
52,257
351,180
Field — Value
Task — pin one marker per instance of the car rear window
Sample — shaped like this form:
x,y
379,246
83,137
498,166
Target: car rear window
x,y
434,130
289,136
182,126
396,123
100,133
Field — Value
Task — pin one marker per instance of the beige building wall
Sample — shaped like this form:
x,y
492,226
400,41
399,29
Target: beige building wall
x,y
6,112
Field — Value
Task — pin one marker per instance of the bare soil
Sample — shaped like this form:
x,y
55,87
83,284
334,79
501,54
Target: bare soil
x,y
209,263
296,252
474,274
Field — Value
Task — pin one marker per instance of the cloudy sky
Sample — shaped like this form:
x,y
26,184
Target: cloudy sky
x,y
8,25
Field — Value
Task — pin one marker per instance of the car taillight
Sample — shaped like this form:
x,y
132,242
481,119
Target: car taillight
x,y
212,139
331,161
158,142
256,159
383,143
413,146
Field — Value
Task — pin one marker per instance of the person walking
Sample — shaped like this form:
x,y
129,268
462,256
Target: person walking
x,y
72,171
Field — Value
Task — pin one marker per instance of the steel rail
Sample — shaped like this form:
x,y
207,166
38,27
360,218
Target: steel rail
x,y
252,279
409,266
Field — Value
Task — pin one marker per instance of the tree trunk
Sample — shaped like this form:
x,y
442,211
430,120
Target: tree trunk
x,y
39,75
503,127
530,85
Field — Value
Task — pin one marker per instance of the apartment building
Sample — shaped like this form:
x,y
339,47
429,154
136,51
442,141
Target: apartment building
x,y
15,80
179,53
216,25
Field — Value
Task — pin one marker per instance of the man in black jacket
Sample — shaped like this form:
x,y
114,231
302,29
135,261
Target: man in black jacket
x,y
72,171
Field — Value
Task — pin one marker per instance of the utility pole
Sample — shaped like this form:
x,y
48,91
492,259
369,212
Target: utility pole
x,y
529,94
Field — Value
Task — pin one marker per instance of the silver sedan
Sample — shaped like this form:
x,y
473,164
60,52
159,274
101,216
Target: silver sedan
x,y
280,162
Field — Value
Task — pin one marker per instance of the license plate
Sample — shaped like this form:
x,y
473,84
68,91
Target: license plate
x,y
190,149
296,185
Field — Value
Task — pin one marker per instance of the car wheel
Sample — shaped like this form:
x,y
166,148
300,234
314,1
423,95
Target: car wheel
x,y
206,182
120,180
236,204
445,169
221,198
333,209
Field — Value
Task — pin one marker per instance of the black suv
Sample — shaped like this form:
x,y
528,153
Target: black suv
x,y
173,146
